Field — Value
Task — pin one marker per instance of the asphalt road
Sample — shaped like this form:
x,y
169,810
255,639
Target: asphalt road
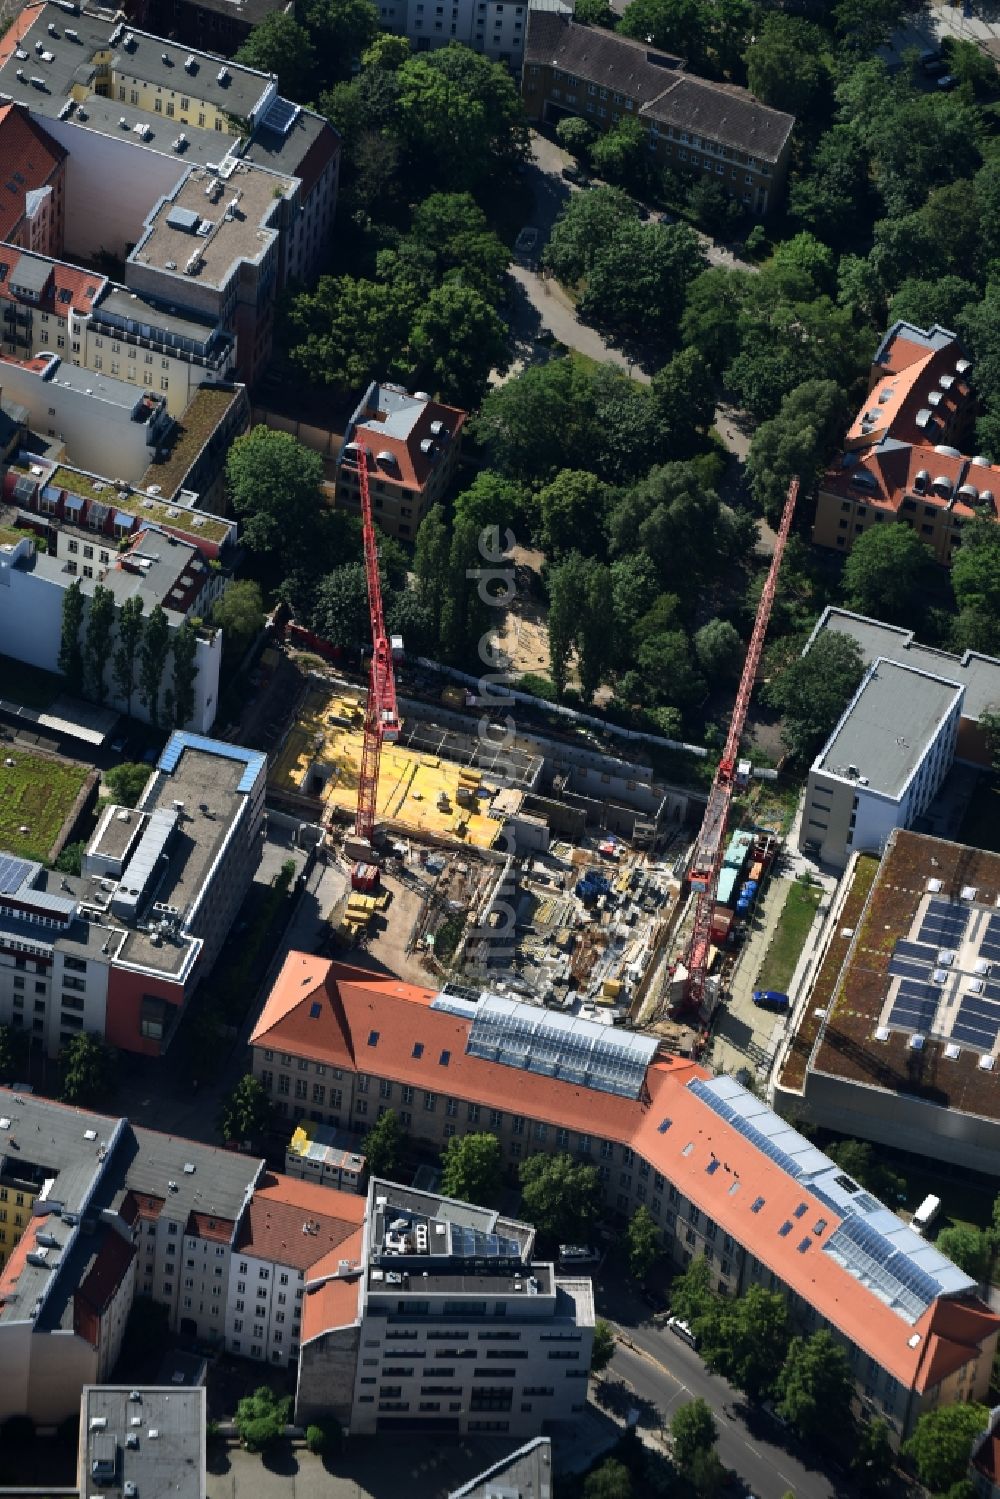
x,y
662,1372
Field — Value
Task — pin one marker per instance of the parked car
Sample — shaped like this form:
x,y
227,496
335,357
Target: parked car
x,y
771,999
770,1409
574,173
683,1330
578,1255
526,241
947,83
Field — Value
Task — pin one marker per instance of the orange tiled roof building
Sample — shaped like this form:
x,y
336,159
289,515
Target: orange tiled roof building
x,y
904,455
721,1173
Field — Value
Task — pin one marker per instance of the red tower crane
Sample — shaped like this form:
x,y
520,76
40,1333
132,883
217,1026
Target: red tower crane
x,y
381,716
707,860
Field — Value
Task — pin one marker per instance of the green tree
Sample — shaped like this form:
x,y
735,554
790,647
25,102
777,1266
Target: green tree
x,y
874,1460
970,65
975,568
450,240
720,651
70,651
70,859
787,65
465,613
887,573
246,1112
383,1145
684,392
461,117
430,561
585,223
815,1386
672,675
340,32
692,1430
100,623
746,1339
611,1480
472,1169
691,1293
350,331
128,638
340,611
87,1071
572,511
127,782
677,26
942,1441
185,672
13,1054
603,1346
275,486
278,44
594,13
561,1198
621,154
457,339
801,439
491,502
938,299
639,279
562,620
966,1247
859,1161
261,1418
239,614
814,690
643,1242
153,652
575,135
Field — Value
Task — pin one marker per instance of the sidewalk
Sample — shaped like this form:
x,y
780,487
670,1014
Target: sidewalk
x,y
743,1034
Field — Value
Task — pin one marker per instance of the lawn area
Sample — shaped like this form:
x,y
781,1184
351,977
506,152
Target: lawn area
x,y
37,794
789,937
981,823
27,685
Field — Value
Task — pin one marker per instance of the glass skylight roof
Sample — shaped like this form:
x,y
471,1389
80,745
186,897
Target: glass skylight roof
x,y
577,1051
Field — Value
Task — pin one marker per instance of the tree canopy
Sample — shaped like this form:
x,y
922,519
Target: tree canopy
x,y
561,1197
815,1385
815,689
87,1071
942,1441
246,1112
472,1169
887,573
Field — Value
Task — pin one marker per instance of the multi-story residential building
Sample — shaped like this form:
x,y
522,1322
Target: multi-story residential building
x,y
287,1228
34,167
497,28
435,1317
119,1211
721,1173
136,115
216,25
47,306
211,245
692,124
148,564
903,458
884,762
118,951
412,444
897,1038
978,674
99,422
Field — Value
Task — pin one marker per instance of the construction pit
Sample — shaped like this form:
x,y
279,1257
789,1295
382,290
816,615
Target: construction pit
x,y
423,791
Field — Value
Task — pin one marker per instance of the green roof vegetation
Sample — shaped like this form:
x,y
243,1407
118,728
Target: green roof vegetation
x,y
36,794
146,507
200,420
11,535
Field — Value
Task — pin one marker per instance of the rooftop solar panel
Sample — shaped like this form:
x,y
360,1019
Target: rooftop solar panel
x,y
982,1040
12,873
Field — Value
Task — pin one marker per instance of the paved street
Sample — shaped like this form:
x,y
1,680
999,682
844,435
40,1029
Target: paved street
x,y
664,1373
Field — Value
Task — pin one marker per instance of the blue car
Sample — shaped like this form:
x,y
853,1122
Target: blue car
x,y
771,999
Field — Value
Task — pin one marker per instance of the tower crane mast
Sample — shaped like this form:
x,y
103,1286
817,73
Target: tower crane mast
x,y
707,861
381,714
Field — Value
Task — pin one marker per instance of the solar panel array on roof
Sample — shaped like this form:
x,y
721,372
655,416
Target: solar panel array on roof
x,y
978,1018
989,948
889,1272
577,1051
915,1006
12,873
180,740
944,924
908,968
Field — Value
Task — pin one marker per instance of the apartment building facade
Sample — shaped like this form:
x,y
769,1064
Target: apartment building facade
x,y
692,124
904,457
32,212
497,28
700,1153
118,951
411,443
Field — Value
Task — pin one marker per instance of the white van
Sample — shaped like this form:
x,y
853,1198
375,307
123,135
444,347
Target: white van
x,y
925,1214
683,1330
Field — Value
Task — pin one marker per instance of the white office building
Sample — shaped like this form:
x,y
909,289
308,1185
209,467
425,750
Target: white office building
x,y
884,762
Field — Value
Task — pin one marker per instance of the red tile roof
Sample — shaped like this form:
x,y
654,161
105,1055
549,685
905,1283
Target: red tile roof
x,y
28,158
332,1303
412,467
297,1223
85,288
108,1270
371,1022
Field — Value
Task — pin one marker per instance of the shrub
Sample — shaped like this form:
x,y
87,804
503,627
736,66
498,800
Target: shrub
x,y
315,1438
